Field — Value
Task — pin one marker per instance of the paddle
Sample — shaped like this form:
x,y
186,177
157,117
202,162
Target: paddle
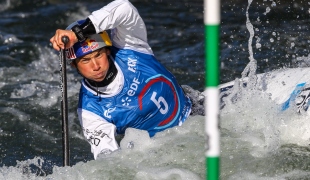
x,y
64,104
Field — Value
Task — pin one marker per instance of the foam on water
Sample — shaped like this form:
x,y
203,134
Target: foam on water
x,y
259,140
40,80
177,153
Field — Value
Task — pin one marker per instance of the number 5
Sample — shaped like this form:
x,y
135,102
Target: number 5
x,y
157,103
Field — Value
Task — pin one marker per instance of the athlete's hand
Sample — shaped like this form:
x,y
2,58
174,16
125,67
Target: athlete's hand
x,y
57,42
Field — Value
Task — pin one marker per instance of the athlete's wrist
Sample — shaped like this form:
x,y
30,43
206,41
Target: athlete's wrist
x,y
84,30
78,33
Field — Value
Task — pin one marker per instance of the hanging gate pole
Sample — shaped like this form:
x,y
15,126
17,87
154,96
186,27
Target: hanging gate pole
x,y
212,22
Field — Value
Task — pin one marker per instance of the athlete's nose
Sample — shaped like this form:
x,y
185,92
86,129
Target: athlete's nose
x,y
96,65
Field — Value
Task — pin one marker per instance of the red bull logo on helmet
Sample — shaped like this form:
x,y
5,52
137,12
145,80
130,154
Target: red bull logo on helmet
x,y
89,45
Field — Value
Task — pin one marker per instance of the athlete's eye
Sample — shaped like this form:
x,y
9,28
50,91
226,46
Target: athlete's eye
x,y
84,61
99,55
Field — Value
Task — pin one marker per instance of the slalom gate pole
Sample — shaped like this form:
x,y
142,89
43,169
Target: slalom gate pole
x,y
212,24
64,104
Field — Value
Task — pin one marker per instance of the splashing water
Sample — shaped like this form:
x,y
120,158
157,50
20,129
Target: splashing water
x,y
250,69
259,141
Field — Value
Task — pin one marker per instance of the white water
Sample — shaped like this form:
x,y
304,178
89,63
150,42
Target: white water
x,y
259,141
177,153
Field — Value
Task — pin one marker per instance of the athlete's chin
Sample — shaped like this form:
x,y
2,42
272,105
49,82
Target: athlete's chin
x,y
98,79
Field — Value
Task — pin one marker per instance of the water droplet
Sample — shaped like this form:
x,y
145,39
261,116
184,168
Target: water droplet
x,y
292,44
258,45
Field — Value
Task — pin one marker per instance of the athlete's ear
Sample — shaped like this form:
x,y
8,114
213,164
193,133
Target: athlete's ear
x,y
73,64
108,52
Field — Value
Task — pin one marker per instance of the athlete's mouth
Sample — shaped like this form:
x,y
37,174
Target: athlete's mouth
x,y
100,75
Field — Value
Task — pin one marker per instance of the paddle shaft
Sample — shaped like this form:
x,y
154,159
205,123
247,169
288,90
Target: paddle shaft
x,y
64,106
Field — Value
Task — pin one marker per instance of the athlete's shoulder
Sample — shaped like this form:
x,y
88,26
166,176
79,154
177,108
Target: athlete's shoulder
x,y
130,52
122,5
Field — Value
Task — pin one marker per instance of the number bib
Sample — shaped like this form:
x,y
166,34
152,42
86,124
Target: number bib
x,y
150,99
165,105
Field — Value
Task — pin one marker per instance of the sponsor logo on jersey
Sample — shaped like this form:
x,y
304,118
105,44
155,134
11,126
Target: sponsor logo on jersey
x,y
126,101
108,111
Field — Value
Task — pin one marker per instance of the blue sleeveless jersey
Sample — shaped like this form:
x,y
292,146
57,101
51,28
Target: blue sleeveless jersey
x,y
150,99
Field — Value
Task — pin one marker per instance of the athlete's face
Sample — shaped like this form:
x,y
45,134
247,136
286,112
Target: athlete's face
x,y
94,66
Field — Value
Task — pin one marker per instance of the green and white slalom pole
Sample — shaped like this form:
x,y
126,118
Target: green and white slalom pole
x,y
212,24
